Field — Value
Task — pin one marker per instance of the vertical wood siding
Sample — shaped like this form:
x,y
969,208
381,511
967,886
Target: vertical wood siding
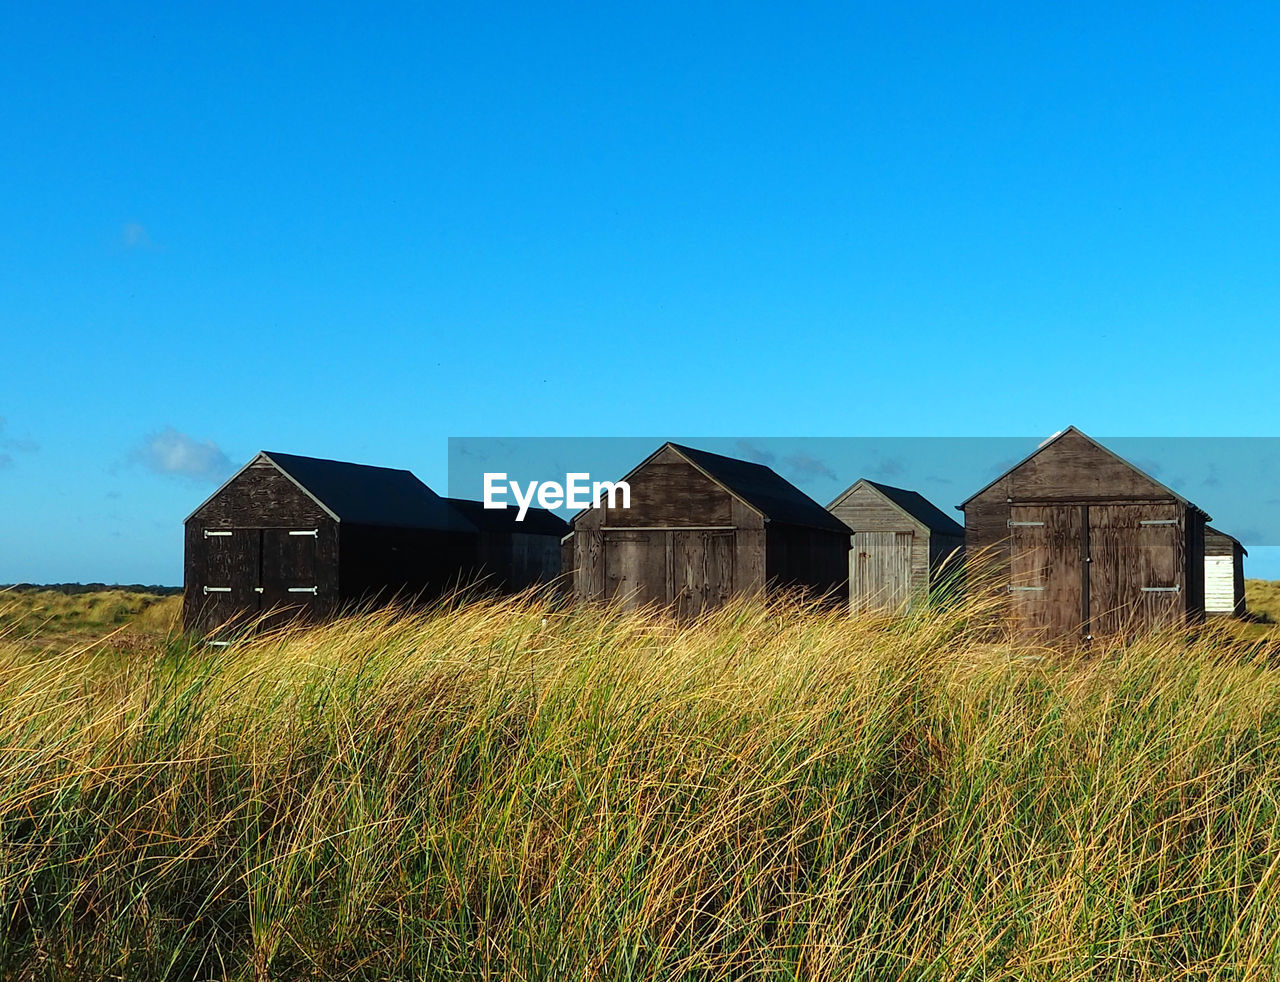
x,y
688,544
1086,545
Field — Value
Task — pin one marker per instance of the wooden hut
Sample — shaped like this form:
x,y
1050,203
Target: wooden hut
x,y
290,536
702,528
1223,573
1087,544
901,545
512,555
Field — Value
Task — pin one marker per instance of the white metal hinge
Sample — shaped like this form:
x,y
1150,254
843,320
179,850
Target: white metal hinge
x,y
1026,589
1013,524
210,533
1159,521
1161,589
216,589
311,532
304,589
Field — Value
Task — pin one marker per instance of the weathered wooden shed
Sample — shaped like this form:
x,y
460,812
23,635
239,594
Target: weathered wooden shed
x,y
513,555
901,545
290,536
1223,573
1087,544
702,528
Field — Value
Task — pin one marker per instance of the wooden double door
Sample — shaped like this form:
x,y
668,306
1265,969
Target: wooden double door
x,y
691,570
256,576
1079,570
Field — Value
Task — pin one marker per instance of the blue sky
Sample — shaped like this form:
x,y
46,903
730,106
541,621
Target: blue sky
x,y
356,232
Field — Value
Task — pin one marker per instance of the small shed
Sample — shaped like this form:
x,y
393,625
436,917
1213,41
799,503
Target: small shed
x,y
1088,544
1223,573
290,536
901,545
702,528
512,555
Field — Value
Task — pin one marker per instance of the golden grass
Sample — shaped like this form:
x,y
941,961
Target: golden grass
x,y
40,620
1262,598
511,790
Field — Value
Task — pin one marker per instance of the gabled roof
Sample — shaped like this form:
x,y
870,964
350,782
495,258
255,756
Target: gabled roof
x,y
1210,530
758,486
537,521
915,504
362,494
1111,453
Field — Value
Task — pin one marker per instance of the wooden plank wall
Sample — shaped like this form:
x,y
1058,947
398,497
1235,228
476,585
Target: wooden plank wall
x,y
1072,469
684,541
1194,565
813,560
259,560
534,559
865,510
668,491
1133,568
1046,587
382,563
946,561
1137,573
880,571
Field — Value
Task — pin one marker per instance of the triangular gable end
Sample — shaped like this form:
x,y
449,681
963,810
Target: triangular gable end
x,y
863,482
261,455
675,448
300,486
1058,437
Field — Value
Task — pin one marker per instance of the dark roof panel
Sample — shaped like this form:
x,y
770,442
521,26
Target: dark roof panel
x,y
764,489
537,521
919,507
367,495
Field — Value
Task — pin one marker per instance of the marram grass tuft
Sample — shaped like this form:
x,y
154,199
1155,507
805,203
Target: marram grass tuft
x,y
511,790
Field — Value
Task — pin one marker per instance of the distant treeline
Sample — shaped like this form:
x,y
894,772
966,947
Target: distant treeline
x,y
73,588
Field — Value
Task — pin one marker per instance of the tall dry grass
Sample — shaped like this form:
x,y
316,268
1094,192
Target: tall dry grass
x,y
1262,598
508,790
40,620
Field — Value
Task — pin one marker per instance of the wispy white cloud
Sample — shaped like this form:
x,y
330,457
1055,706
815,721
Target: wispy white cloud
x,y
135,236
172,452
888,467
807,465
753,451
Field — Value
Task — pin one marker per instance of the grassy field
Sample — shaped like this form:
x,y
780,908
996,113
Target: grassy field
x,y
44,620
512,791
1262,598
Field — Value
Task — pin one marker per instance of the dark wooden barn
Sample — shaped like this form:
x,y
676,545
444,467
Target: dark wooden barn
x,y
1087,544
512,555
901,545
702,528
290,536
1223,573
